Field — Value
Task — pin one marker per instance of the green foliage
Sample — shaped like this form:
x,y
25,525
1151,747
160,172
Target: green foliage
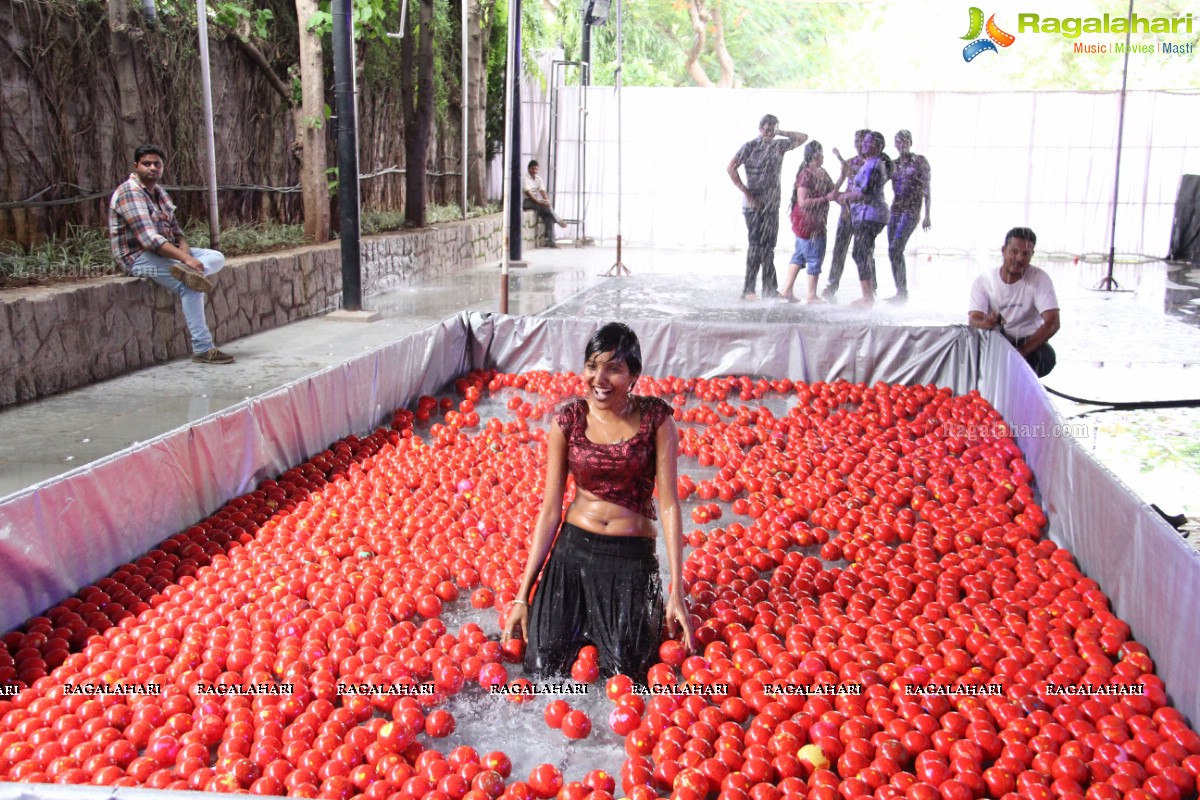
x,y
495,23
370,18
232,15
447,63
772,44
82,254
787,45
656,37
243,240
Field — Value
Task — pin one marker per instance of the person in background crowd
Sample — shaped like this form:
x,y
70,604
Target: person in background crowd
x,y
147,241
910,190
845,228
762,159
809,214
597,581
868,212
1019,301
537,200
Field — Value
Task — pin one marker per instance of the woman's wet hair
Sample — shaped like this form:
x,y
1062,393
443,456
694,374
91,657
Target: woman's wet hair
x,y
621,340
811,151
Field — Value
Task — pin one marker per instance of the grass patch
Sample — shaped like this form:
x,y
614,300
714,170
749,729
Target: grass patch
x,y
242,240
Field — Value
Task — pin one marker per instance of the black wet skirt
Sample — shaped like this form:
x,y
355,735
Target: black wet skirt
x,y
600,590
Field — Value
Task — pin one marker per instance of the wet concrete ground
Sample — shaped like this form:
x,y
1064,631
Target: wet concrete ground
x,y
1135,345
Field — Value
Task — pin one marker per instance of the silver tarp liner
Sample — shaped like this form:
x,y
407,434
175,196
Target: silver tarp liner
x,y
63,534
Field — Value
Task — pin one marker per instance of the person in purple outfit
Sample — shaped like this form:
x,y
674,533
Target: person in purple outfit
x,y
868,212
762,159
910,190
845,229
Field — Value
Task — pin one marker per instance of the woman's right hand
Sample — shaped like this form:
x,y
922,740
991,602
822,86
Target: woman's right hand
x,y
516,624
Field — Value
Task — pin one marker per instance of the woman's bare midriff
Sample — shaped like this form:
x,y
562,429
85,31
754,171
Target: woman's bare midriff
x,y
608,519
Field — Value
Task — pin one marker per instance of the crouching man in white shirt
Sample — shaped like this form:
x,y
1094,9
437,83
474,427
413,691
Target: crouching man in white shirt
x,y
1019,301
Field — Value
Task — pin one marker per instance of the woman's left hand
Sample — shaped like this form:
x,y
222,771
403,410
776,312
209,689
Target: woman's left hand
x,y
677,621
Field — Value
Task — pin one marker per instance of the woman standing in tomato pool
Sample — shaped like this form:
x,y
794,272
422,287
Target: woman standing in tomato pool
x,y
599,580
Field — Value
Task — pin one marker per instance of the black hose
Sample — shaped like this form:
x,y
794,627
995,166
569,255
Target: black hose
x,y
1133,405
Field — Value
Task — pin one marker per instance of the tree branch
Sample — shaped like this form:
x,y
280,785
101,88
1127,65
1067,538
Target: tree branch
x,y
260,60
723,57
698,17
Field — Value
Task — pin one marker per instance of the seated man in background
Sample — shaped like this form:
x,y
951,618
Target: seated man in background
x,y
147,242
537,200
1019,301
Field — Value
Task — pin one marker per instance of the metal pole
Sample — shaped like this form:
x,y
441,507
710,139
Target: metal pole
x,y
514,162
585,81
1108,283
214,218
619,269
506,195
465,159
347,145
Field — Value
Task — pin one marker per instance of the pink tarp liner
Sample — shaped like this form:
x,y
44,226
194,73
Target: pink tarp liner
x,y
63,534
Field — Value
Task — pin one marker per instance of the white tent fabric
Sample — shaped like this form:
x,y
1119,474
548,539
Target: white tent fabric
x,y
1043,159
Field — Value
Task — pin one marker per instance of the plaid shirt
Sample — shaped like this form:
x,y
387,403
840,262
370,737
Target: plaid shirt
x,y
140,219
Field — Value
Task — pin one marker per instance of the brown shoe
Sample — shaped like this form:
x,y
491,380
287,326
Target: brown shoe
x,y
191,279
213,356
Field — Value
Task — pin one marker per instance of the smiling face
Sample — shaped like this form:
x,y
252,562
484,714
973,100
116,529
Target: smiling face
x,y
149,168
609,381
903,144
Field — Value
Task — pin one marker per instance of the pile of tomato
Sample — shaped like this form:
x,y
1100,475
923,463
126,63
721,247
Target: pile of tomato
x,y
882,544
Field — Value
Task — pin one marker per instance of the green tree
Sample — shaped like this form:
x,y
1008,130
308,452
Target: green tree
x,y
731,43
417,102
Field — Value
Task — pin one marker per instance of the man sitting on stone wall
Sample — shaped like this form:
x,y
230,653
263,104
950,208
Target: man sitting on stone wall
x,y
147,242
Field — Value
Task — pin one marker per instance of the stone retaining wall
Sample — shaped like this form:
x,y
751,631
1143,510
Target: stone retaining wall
x,y
56,338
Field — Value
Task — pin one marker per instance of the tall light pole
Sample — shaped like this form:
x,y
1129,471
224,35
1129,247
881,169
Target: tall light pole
x,y
214,219
347,152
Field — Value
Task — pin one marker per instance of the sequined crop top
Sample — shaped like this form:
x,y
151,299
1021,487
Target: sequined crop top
x,y
621,473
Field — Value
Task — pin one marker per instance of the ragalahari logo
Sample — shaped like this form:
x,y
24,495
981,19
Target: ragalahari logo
x,y
995,36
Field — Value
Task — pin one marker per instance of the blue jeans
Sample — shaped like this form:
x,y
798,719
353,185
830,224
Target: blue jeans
x,y
810,253
158,269
900,226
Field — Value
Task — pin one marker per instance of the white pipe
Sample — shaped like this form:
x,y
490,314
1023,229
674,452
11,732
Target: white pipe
x,y
214,219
